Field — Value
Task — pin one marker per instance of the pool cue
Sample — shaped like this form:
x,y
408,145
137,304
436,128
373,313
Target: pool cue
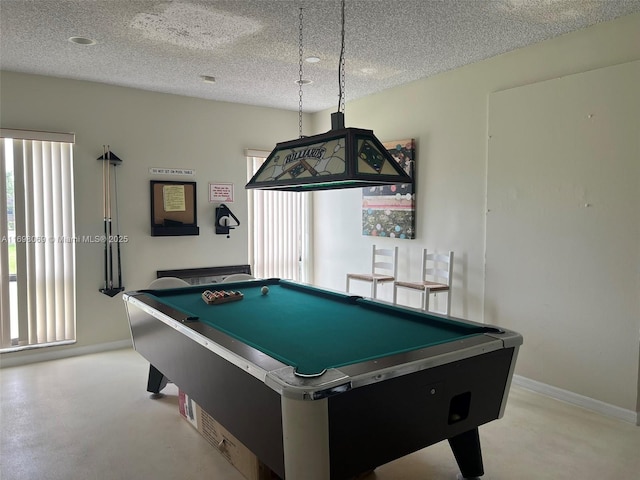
x,y
104,214
115,187
109,216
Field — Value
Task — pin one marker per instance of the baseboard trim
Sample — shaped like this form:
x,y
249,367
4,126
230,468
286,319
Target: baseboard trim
x,y
578,400
9,360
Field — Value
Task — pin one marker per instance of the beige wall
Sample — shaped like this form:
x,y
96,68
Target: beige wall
x,y
448,116
563,228
145,130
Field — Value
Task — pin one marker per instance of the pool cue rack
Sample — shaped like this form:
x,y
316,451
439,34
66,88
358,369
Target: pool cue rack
x,y
109,162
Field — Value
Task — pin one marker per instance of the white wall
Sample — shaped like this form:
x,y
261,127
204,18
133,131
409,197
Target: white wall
x,y
145,130
563,228
447,115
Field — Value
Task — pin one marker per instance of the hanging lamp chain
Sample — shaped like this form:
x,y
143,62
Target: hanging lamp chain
x,y
341,70
300,79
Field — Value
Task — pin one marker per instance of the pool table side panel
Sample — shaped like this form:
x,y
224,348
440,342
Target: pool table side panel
x,y
240,402
380,422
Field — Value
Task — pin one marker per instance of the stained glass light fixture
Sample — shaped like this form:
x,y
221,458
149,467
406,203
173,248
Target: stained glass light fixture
x,y
340,158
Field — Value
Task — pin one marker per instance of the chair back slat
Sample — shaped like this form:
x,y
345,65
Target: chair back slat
x,y
437,267
384,261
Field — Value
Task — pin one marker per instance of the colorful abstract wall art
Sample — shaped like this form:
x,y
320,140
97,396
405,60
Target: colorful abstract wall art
x,y
389,211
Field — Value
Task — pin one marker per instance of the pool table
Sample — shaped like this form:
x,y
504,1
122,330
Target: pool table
x,y
322,384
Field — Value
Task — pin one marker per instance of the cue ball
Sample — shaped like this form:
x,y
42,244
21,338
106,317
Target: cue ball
x,y
264,290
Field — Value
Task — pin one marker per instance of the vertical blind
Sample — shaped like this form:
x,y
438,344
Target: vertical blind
x,y
278,230
38,300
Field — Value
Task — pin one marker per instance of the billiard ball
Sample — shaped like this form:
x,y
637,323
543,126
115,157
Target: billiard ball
x,y
264,290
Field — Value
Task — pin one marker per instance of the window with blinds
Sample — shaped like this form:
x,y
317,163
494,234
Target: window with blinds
x,y
279,226
37,240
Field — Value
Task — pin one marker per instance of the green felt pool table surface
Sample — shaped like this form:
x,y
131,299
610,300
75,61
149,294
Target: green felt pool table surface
x,y
314,329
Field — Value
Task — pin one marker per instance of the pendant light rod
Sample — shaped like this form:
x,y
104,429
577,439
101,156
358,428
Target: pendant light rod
x,y
300,82
341,72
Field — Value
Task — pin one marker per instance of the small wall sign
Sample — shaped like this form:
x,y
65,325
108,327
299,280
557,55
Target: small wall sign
x,y
220,192
172,171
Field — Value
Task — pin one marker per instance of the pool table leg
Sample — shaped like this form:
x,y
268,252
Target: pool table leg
x,y
157,381
466,450
305,428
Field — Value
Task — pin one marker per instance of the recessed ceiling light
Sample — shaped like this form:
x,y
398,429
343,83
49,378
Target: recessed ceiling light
x,y
312,59
208,78
303,82
82,41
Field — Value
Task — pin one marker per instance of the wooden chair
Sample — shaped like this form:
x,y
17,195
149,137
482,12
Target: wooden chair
x,y
384,268
437,273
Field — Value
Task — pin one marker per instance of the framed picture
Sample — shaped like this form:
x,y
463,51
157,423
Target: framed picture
x,y
389,210
173,208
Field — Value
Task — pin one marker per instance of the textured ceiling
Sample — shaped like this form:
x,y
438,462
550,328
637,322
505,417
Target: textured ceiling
x,y
251,46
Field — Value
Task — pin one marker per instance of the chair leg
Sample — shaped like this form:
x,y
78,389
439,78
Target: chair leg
x,y
427,294
374,289
347,290
449,302
395,294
